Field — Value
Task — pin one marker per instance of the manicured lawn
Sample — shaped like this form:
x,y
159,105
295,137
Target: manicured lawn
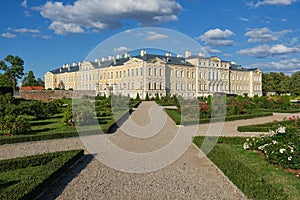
x,y
186,120
252,173
27,177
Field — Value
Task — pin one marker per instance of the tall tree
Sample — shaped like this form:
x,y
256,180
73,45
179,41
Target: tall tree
x,y
295,83
15,69
4,81
29,79
40,82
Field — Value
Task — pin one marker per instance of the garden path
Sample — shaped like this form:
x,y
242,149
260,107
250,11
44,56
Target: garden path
x,y
189,177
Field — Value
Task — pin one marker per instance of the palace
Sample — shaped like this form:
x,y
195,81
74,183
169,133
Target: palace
x,y
189,76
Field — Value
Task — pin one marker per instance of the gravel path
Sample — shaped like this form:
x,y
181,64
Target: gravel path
x,y
189,177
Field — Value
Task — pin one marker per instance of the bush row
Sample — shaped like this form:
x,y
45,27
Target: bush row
x,y
52,165
177,117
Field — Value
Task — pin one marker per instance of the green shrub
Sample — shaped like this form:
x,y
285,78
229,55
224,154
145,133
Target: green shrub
x,y
12,124
147,97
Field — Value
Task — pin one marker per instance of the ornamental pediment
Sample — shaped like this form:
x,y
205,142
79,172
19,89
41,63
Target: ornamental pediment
x,y
134,61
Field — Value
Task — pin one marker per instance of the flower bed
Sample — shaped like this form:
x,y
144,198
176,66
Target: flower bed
x,y
282,148
252,174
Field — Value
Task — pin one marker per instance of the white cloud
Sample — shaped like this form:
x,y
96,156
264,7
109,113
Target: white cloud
x,y
121,50
217,37
211,50
24,30
61,28
264,35
288,65
271,3
243,19
264,51
155,36
8,35
102,14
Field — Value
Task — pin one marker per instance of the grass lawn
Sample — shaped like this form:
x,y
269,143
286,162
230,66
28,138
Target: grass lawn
x,y
27,177
250,172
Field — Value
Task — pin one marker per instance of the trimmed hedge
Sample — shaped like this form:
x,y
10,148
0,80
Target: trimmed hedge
x,y
51,166
176,117
31,138
249,172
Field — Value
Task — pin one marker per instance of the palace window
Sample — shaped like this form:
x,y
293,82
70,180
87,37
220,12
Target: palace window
x,y
150,72
141,70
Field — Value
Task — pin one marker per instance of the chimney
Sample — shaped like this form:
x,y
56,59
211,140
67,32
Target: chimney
x,y
64,66
119,56
111,58
187,54
74,64
79,64
103,59
97,60
168,54
233,62
126,55
143,52
179,56
201,54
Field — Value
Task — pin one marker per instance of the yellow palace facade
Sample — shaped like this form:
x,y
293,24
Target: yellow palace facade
x,y
188,76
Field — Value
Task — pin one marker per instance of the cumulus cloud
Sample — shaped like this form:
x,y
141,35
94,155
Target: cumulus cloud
x,y
61,28
264,51
155,36
102,14
217,37
256,4
8,35
264,35
121,50
288,65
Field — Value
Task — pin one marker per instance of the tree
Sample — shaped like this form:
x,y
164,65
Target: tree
x,y
29,79
147,97
14,71
295,83
40,82
4,81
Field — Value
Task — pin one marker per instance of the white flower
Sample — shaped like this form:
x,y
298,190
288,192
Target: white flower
x,y
247,140
260,147
274,142
246,146
282,150
281,130
290,158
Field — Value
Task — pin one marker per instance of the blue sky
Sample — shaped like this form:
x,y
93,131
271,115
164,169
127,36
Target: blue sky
x,y
258,33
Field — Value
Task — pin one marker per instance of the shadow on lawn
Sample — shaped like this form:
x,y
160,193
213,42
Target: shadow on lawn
x,y
41,123
57,188
120,122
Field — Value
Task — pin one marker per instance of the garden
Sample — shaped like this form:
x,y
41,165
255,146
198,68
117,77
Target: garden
x,y
27,177
23,120
238,107
256,176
